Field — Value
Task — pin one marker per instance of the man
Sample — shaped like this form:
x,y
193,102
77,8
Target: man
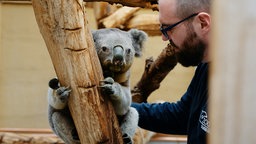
x,y
186,24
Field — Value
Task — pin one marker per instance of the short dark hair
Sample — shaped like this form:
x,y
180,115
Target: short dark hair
x,y
188,7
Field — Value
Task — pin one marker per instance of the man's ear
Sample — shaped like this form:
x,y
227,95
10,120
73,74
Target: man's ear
x,y
205,22
138,38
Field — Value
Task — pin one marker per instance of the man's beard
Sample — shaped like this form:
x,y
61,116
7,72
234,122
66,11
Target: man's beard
x,y
191,52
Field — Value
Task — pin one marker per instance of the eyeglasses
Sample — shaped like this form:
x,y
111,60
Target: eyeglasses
x,y
169,27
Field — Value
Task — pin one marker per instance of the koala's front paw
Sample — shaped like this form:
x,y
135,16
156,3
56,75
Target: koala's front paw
x,y
106,86
127,139
63,93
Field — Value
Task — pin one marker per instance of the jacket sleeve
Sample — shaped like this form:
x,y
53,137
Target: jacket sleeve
x,y
168,118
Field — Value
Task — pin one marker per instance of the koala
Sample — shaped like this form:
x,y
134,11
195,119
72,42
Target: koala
x,y
116,50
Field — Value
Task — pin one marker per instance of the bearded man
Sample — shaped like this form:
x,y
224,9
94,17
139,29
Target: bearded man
x,y
186,25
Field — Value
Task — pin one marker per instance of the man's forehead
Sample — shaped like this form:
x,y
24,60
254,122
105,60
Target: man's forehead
x,y
167,11
167,5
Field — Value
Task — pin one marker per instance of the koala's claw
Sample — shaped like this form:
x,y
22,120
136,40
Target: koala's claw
x,y
127,139
106,89
106,86
107,80
63,93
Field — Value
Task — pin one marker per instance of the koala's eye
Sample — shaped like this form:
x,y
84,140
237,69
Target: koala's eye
x,y
104,48
128,51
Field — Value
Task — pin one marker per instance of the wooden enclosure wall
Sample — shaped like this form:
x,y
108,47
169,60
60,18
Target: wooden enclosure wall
x,y
233,73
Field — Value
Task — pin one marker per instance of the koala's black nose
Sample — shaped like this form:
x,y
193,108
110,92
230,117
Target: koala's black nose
x,y
118,55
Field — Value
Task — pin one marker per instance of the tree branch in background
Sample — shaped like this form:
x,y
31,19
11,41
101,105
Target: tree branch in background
x,y
152,4
154,73
118,18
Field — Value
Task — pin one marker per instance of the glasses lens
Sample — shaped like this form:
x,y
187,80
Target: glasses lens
x,y
168,28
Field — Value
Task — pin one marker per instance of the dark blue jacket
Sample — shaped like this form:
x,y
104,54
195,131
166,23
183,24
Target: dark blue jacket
x,y
188,116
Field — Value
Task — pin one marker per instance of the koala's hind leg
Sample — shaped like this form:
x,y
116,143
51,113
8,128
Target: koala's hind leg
x,y
64,127
129,125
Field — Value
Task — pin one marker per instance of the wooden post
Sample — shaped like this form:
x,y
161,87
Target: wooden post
x,y
63,26
233,73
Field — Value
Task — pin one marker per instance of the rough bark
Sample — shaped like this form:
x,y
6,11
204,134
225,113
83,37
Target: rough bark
x,y
63,25
154,73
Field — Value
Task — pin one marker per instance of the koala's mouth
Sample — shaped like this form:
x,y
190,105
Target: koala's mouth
x,y
116,67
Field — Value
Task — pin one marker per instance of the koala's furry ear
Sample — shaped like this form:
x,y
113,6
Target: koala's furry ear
x,y
94,34
139,37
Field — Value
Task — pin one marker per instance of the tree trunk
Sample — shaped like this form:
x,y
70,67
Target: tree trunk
x,y
63,25
154,73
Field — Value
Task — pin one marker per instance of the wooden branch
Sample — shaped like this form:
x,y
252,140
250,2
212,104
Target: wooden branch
x,y
155,72
125,18
146,22
132,3
63,25
103,9
118,18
